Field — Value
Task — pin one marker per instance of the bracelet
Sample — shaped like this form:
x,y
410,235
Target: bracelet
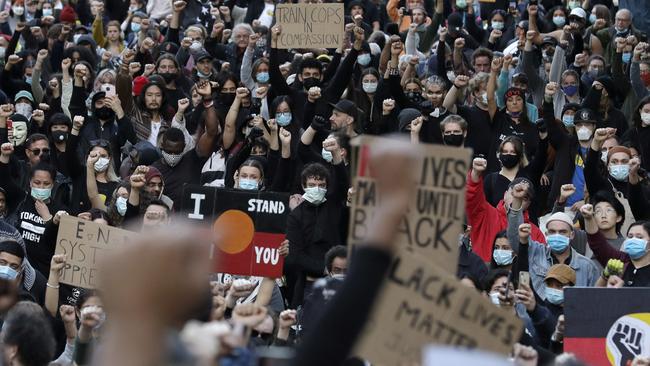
x,y
51,286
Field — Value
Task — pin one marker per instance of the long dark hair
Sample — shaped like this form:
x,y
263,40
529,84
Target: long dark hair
x,y
636,117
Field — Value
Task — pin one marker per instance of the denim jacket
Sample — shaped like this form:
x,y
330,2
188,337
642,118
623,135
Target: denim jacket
x,y
540,260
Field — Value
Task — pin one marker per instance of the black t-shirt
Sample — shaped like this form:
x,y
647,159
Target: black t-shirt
x,y
503,126
106,190
187,171
479,130
636,277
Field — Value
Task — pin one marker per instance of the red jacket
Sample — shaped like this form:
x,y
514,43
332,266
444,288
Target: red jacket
x,y
486,220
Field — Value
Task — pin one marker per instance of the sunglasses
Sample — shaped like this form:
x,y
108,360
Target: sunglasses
x,y
37,152
101,143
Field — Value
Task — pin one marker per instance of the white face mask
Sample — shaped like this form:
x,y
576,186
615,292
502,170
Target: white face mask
x,y
603,156
645,119
583,134
315,195
121,205
101,164
18,10
369,87
3,51
25,109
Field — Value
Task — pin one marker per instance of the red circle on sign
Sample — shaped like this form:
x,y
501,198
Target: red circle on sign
x,y
234,231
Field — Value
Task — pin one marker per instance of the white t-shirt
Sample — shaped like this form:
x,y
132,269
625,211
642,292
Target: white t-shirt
x,y
155,129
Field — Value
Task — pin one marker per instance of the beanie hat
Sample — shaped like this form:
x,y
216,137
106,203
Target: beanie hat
x,y
618,149
68,15
138,84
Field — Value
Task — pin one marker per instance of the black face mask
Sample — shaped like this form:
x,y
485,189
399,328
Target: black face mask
x,y
227,98
453,140
168,76
509,161
104,113
309,83
415,97
59,136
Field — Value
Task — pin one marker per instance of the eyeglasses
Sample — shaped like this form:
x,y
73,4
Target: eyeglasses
x,y
37,152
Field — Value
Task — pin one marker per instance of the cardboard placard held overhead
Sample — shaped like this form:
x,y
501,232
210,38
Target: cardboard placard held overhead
x,y
310,25
85,243
435,217
247,227
421,304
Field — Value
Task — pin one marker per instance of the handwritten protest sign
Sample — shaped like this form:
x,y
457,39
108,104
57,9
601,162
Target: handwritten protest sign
x,y
248,227
85,243
422,304
310,25
435,216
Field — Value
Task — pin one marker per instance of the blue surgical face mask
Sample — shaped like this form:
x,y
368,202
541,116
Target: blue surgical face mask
x,y
627,56
120,205
570,90
554,296
502,257
364,59
283,119
327,155
568,120
47,12
248,184
135,27
497,25
315,195
202,75
559,21
592,18
28,79
8,273
369,87
263,77
557,242
635,247
462,4
41,194
619,172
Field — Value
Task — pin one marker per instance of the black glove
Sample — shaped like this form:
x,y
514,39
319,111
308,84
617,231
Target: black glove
x,y
320,124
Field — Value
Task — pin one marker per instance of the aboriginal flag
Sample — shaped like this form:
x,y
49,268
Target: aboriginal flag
x,y
607,326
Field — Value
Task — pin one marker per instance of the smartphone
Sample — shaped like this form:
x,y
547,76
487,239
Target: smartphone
x,y
10,124
524,278
109,89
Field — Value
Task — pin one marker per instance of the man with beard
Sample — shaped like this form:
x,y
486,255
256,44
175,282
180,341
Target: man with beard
x,y
147,109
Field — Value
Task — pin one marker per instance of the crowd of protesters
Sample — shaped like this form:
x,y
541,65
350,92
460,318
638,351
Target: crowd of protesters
x,y
108,109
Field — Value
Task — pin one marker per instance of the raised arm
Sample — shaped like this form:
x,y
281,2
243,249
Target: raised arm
x,y
597,241
491,86
56,268
91,182
457,90
206,142
37,89
593,179
635,71
230,129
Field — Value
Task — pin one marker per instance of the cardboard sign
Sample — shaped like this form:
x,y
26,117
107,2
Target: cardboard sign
x,y
607,326
434,221
422,304
310,25
247,227
85,243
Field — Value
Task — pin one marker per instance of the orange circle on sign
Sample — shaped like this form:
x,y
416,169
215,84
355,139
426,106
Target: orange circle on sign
x,y
234,231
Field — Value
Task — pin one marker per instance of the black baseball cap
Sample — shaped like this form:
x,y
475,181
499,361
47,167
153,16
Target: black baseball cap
x,y
346,107
585,115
